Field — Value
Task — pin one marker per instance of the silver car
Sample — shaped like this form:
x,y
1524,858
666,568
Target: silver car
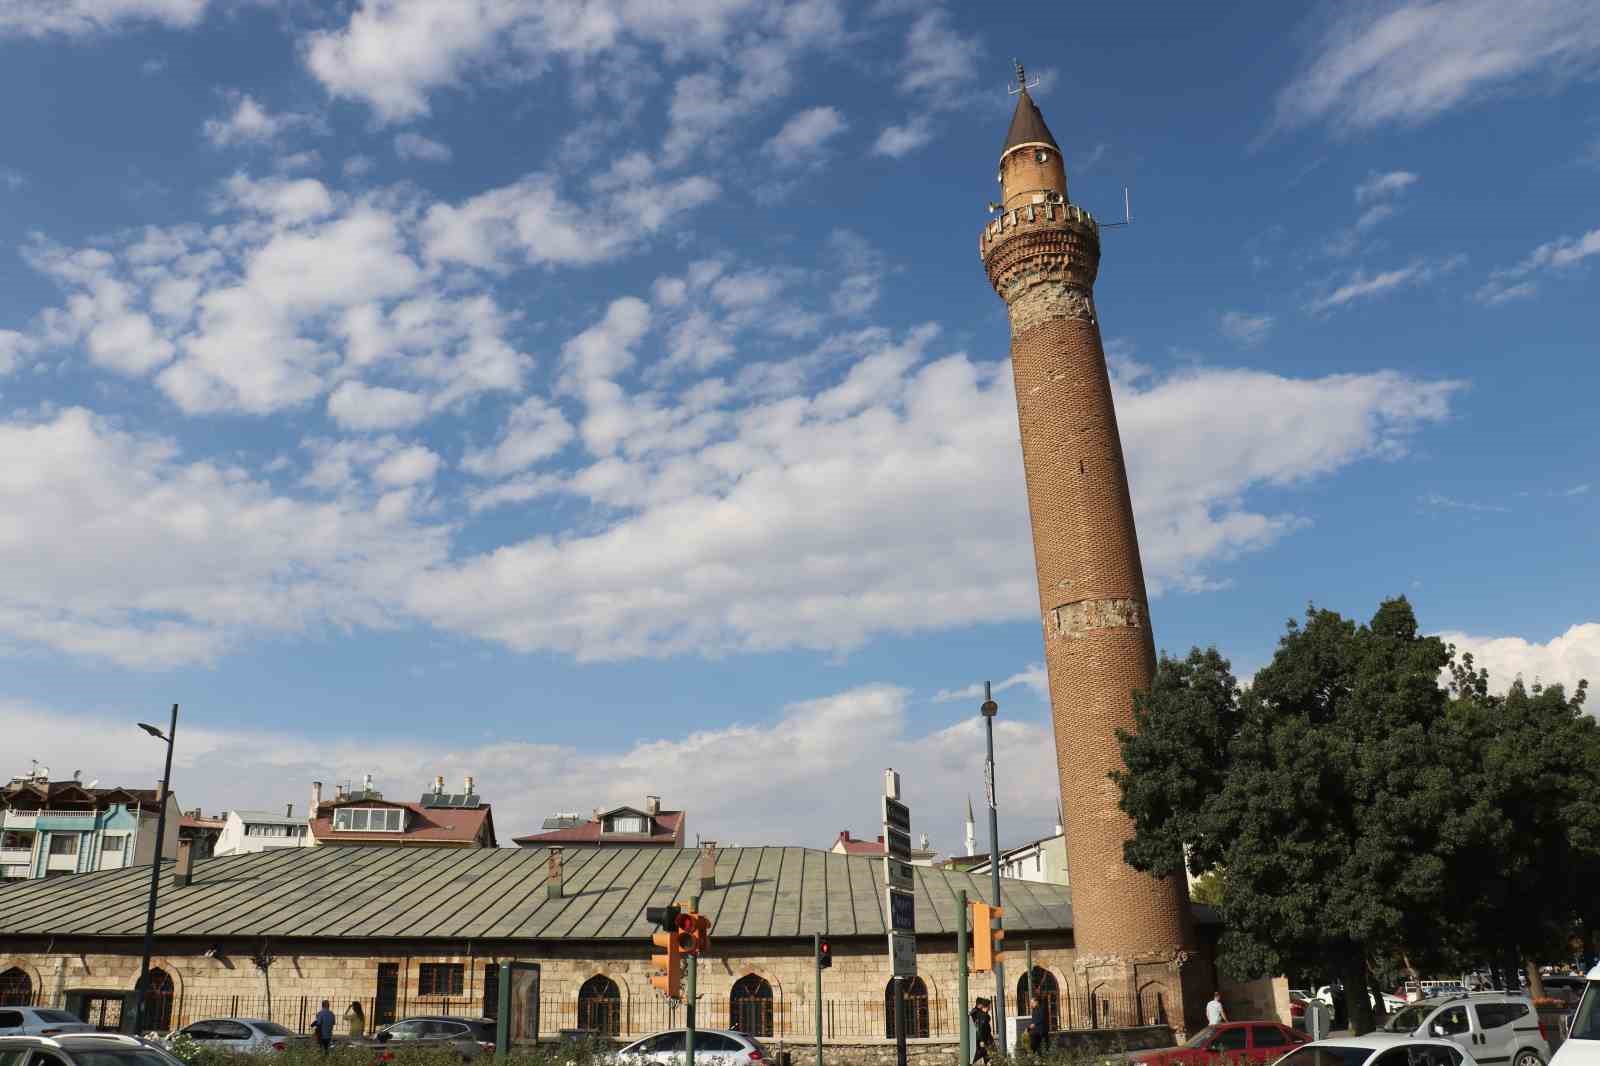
x,y
40,1021
1494,1028
714,1047
242,1035
83,1049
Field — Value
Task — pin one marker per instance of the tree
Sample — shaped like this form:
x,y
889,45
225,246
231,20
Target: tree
x,y
1531,793
1314,788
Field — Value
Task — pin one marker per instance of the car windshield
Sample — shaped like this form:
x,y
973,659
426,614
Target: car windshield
x,y
1586,1019
119,1056
1326,1055
1407,1020
274,1029
1203,1037
57,1016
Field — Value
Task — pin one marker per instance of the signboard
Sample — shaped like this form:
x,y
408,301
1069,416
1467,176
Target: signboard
x,y
900,875
902,955
902,911
897,843
897,815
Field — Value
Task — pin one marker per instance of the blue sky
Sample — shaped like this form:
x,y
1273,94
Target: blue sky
x,y
607,398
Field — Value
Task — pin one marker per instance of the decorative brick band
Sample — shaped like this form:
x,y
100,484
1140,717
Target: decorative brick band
x,y
1050,299
1066,251
1075,620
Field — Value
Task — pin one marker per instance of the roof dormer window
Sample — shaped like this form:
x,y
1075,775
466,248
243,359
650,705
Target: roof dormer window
x,y
369,819
627,823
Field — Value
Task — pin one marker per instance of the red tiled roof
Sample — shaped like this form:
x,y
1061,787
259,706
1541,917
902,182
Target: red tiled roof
x,y
425,825
667,822
187,822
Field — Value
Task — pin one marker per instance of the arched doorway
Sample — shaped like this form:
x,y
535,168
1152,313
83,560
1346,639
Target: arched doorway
x,y
158,998
750,1006
600,1006
16,988
1047,989
916,1008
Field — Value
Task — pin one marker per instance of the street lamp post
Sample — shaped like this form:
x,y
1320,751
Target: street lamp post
x,y
989,709
155,866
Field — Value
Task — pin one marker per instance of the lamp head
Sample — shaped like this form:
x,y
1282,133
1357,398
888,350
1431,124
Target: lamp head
x,y
153,731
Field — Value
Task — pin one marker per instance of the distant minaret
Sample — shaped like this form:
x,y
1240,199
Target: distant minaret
x,y
972,830
1042,254
1061,826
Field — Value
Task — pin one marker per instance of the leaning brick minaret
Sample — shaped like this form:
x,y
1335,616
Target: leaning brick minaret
x,y
1132,931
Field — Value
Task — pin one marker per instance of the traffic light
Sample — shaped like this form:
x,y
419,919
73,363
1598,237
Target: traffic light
x,y
988,939
687,931
669,965
702,934
670,941
824,955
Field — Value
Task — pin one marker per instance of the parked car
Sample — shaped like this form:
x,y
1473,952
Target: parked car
x,y
40,1021
84,1049
1493,1027
1582,1045
469,1036
1389,1004
721,1047
245,1035
1228,1042
1378,1049
1565,987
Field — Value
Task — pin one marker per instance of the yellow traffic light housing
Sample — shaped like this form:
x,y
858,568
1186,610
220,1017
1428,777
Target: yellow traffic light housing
x,y
988,939
669,979
702,935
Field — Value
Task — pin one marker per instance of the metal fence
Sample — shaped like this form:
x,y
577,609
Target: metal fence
x,y
844,1019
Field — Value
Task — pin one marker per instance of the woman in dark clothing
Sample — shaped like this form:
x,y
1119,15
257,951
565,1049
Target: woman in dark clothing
x,y
982,1032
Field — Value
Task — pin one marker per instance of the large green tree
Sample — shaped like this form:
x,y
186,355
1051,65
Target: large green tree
x,y
1319,788
1530,790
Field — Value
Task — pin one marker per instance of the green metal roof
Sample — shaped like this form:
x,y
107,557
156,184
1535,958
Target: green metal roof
x,y
381,891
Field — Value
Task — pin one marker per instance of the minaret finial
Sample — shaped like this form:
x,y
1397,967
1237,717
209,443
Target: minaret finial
x,y
1023,84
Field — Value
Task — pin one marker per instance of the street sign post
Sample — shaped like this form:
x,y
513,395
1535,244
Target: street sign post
x,y
902,911
900,902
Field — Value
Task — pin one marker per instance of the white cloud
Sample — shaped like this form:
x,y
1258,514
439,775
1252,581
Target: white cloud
x,y
355,405
833,748
290,202
30,18
792,522
803,137
534,431
938,61
408,466
899,141
1567,659
1364,286
13,346
1517,282
118,548
1242,327
1408,62
250,123
1377,186
1033,678
416,146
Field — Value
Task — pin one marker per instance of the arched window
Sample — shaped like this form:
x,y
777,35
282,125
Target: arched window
x,y
158,1002
16,989
1046,988
600,1006
750,1006
916,1008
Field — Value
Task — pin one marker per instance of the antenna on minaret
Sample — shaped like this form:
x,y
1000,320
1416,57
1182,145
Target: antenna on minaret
x,y
1023,84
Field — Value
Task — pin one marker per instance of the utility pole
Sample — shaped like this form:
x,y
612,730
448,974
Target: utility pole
x,y
989,709
964,1056
816,957
691,965
155,867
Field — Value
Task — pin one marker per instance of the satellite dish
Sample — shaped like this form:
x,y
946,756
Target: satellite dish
x,y
93,783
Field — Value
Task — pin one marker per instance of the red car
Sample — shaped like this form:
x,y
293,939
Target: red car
x,y
1230,1042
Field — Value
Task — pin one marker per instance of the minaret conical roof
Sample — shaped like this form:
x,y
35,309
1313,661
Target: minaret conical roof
x,y
1027,125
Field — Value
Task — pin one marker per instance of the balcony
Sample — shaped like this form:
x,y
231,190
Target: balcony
x,y
18,820
16,856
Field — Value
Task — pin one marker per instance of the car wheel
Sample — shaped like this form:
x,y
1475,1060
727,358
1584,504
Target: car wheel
x,y
1528,1057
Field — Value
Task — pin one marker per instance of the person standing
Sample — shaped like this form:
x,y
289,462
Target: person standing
x,y
323,1023
1039,1027
982,1031
1215,1015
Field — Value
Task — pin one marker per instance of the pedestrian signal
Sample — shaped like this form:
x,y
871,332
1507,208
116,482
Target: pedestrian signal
x,y
824,955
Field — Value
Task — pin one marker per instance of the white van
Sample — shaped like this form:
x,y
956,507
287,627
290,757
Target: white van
x,y
1582,1045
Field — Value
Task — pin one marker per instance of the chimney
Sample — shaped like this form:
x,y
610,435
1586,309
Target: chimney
x,y
552,885
288,810
183,875
316,798
366,783
708,865
466,784
652,805
438,785
338,793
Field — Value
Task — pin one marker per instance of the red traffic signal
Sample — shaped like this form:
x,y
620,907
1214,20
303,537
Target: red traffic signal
x,y
824,955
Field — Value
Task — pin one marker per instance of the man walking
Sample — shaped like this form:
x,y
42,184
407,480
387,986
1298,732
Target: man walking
x,y
1039,1027
1215,1015
982,1031
323,1024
